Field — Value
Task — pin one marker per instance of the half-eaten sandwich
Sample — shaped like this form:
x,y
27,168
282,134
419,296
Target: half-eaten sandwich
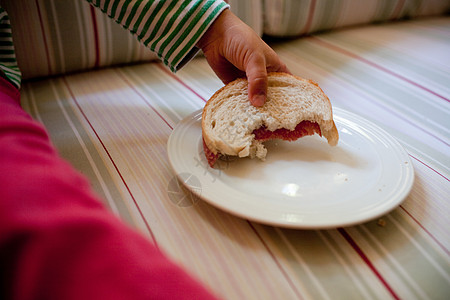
x,y
295,107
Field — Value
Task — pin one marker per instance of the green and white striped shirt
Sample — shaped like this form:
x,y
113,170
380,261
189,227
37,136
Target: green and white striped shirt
x,y
8,62
170,28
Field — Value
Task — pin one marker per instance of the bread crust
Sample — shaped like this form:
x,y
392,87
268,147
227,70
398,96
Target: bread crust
x,y
328,127
206,138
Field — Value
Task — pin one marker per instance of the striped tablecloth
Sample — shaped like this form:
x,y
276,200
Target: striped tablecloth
x,y
113,125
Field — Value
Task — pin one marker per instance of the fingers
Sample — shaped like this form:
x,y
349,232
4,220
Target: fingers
x,y
233,49
257,80
256,71
225,70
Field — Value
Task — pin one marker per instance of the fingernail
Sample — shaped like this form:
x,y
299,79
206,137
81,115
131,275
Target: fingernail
x,y
258,100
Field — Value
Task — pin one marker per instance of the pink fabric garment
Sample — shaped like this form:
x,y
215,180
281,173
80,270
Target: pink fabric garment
x,y
57,241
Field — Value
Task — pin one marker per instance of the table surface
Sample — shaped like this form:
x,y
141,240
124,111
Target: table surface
x,y
114,124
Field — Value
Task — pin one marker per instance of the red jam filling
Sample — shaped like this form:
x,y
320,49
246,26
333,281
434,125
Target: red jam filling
x,y
304,128
210,156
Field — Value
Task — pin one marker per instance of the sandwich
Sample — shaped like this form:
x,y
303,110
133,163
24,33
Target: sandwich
x,y
295,107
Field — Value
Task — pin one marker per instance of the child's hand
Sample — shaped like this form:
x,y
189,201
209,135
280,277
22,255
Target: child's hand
x,y
234,50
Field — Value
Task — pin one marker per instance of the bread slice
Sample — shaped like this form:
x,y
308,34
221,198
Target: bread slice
x,y
295,107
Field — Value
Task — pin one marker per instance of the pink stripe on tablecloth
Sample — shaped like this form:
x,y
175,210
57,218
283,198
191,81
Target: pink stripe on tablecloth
x,y
111,159
398,115
417,221
49,66
375,65
180,81
364,257
288,279
131,86
442,175
426,231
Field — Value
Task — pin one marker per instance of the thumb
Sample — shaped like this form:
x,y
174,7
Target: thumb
x,y
257,81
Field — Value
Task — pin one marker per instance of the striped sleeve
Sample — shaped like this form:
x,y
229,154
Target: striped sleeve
x,y
8,62
171,29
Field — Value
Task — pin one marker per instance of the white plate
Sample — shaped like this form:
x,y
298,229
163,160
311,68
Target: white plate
x,y
302,184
